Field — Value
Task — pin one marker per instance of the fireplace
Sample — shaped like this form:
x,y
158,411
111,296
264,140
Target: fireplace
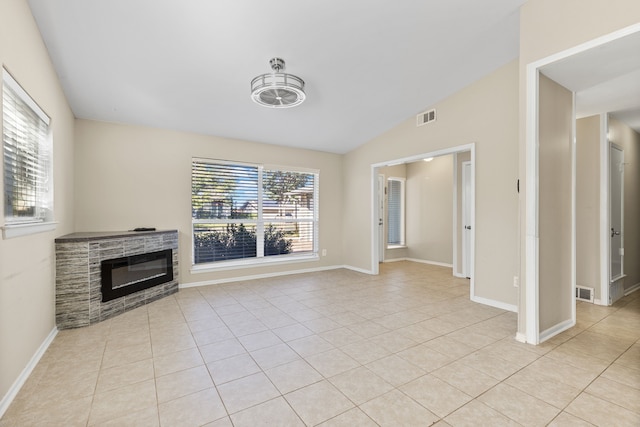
x,y
126,275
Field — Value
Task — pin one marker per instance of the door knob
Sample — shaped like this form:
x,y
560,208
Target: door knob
x,y
467,227
614,232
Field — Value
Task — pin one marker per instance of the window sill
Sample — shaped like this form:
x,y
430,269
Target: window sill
x,y
254,262
396,246
17,230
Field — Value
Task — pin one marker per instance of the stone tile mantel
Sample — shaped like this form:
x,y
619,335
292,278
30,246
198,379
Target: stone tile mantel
x,y
78,273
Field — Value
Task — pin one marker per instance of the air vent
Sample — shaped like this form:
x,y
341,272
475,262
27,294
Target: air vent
x,y
584,294
426,117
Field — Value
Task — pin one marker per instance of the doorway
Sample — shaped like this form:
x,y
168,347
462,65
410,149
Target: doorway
x,y
585,71
378,237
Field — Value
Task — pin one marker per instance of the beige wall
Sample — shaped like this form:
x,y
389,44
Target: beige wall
x,y
131,176
27,283
629,140
430,210
588,203
463,118
554,212
548,27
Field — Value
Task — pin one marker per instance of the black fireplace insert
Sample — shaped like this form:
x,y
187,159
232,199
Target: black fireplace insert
x,y
126,275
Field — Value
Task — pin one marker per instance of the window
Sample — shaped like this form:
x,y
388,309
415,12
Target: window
x,y
28,183
247,213
395,212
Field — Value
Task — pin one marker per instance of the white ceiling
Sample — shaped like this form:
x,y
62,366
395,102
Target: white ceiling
x,y
606,79
187,65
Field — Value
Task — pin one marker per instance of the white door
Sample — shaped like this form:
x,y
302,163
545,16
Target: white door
x,y
466,219
381,235
616,213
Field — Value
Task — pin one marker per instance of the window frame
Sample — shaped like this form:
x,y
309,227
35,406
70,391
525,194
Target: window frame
x,y
260,222
401,215
38,223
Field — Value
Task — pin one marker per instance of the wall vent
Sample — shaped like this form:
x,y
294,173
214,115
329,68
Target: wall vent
x,y
584,294
426,117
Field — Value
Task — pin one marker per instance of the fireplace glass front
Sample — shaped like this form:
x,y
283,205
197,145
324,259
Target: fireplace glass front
x,y
126,275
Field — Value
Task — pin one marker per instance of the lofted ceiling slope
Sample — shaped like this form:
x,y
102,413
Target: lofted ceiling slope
x,y
187,65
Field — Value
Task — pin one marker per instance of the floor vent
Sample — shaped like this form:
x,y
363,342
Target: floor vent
x,y
584,294
426,117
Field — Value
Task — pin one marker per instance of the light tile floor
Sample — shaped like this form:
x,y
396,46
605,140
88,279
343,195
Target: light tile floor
x,y
336,348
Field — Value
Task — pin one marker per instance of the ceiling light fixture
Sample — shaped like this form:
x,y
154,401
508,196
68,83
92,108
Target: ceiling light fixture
x,y
277,89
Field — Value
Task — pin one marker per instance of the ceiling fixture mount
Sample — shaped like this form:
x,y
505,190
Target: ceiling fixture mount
x,y
277,89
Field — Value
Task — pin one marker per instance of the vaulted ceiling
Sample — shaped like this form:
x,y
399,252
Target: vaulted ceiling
x,y
368,65
187,65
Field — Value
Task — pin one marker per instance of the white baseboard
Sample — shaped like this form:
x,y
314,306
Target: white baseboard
x,y
497,304
394,260
258,276
356,269
555,330
520,337
422,261
24,375
632,289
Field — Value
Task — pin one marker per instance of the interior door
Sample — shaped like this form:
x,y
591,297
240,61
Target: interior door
x,y
381,234
616,212
466,219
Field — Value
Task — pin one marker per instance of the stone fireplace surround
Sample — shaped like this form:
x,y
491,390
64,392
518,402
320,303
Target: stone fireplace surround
x,y
78,273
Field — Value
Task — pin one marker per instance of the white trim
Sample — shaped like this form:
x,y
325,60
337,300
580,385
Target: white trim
x,y
574,191
622,275
381,211
8,79
632,289
556,329
472,223
455,266
497,304
424,261
360,270
257,276
520,337
26,372
532,240
9,231
463,240
605,242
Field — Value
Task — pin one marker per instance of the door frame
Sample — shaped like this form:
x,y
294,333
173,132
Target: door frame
x,y
466,243
381,204
531,232
374,203
622,275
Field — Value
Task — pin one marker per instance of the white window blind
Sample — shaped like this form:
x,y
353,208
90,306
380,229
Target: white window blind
x,y
27,157
395,212
248,211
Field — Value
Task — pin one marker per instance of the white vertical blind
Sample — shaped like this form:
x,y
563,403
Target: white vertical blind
x,y
27,156
246,211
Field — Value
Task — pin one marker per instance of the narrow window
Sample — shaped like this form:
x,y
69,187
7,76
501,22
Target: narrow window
x,y
395,212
